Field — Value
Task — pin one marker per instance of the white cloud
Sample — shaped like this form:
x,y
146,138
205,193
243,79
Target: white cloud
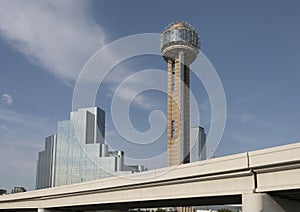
x,y
250,119
3,127
241,138
26,121
22,136
129,86
205,106
58,35
7,99
252,97
110,133
126,94
243,118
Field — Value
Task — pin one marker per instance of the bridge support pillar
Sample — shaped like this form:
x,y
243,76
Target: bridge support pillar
x,y
264,202
42,210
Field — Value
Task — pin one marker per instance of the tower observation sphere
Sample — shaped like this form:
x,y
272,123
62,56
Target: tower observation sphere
x,y
180,37
179,47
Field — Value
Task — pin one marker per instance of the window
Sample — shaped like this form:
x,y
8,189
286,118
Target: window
x,y
173,129
173,76
172,133
173,81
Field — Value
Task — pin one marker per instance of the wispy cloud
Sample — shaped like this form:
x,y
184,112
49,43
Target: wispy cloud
x,y
21,135
23,145
58,35
129,86
110,133
243,118
250,119
205,105
3,127
126,94
26,121
252,97
7,99
241,138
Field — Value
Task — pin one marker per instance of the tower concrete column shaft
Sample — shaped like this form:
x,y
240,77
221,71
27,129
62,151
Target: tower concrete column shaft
x,y
179,47
178,111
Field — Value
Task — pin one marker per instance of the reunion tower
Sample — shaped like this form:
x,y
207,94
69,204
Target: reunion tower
x,y
179,47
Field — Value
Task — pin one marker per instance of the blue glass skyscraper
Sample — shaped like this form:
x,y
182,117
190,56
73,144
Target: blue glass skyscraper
x,y
78,153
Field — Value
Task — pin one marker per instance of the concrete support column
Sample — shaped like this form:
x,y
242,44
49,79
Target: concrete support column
x,y
262,202
42,210
259,203
47,210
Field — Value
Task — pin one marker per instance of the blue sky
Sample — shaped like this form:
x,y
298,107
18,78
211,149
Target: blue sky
x,y
254,47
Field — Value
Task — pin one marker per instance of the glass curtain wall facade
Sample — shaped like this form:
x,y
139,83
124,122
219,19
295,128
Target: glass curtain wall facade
x,y
79,153
197,144
45,164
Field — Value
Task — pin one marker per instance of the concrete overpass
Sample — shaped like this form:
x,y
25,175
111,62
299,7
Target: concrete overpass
x,y
265,180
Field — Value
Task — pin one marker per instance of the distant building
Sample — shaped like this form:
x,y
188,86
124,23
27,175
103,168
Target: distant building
x,y
3,191
216,208
18,190
197,144
78,152
45,164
